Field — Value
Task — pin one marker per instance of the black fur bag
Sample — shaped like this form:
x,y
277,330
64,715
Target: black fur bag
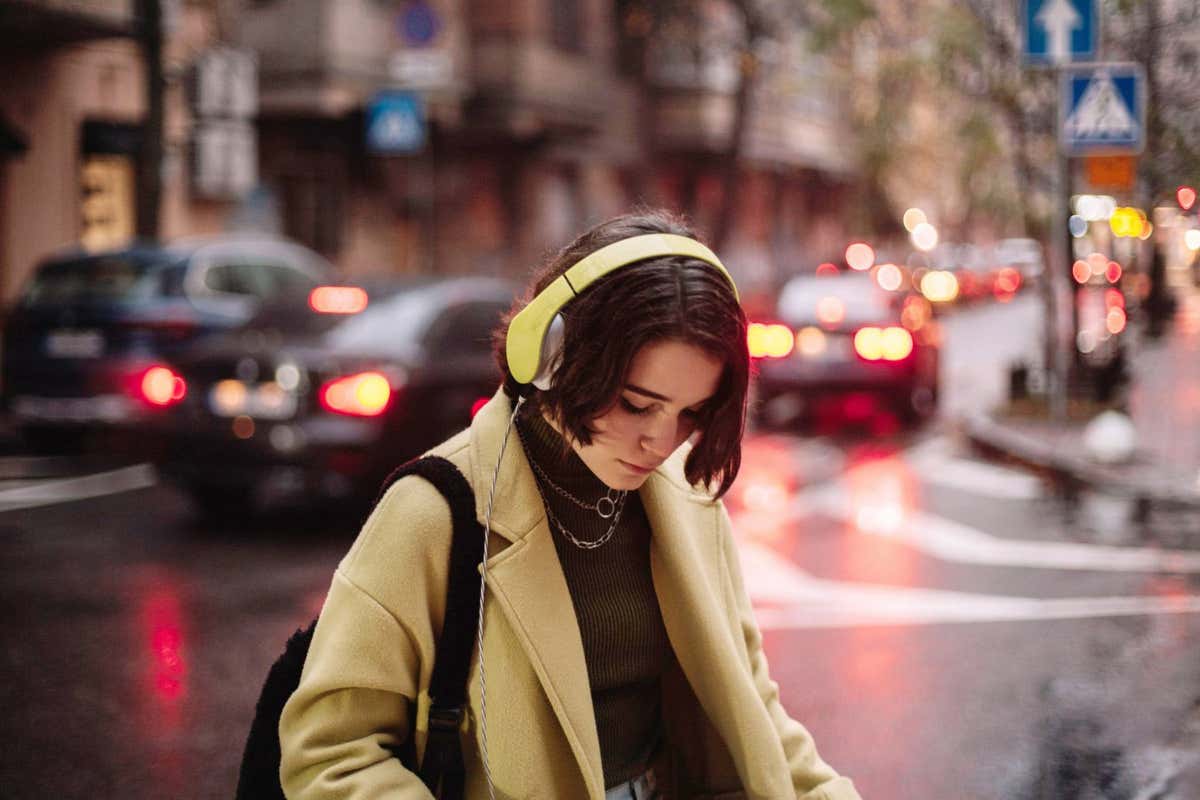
x,y
442,769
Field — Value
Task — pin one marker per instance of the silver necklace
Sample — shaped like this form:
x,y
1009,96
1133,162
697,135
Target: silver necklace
x,y
584,544
606,506
614,508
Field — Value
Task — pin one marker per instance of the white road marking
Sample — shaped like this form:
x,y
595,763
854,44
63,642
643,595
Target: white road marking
x,y
787,598
50,492
956,542
937,464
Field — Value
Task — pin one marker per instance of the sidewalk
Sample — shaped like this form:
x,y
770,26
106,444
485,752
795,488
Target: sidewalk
x,y
1164,405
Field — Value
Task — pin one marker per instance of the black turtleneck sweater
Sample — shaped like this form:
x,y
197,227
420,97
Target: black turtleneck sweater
x,y
624,640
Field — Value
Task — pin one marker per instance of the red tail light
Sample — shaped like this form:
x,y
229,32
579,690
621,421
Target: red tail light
x,y
367,394
337,299
883,344
161,386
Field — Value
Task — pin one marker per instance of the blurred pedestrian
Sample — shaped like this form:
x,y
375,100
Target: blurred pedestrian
x,y
620,657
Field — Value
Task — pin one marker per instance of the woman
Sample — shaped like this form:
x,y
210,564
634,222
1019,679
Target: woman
x,y
620,657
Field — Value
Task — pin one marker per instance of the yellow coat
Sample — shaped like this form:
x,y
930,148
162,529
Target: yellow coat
x,y
365,681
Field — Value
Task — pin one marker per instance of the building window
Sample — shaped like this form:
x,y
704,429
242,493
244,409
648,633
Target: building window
x,y
566,18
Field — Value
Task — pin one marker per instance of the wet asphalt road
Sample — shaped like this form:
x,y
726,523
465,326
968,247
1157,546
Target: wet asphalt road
x,y
947,629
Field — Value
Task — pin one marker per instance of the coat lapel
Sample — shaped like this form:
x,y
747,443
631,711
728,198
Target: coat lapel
x,y
527,582
685,561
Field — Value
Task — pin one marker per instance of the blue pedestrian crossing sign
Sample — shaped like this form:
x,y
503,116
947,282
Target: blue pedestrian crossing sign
x,y
395,123
1060,31
1102,109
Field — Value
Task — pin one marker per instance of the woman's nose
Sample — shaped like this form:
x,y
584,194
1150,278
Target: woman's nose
x,y
659,439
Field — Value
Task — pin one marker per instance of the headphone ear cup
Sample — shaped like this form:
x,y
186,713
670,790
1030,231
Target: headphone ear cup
x,y
551,354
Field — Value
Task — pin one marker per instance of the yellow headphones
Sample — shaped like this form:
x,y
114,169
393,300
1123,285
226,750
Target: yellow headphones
x,y
534,342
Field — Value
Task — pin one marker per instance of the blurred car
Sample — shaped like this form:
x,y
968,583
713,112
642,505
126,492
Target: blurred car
x,y
323,395
86,344
841,336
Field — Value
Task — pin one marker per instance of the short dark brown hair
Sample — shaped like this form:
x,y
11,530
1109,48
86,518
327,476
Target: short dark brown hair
x,y
660,299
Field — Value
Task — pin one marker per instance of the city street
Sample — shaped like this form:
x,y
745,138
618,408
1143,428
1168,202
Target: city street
x,y
946,627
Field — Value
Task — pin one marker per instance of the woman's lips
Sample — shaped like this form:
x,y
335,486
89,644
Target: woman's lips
x,y
636,469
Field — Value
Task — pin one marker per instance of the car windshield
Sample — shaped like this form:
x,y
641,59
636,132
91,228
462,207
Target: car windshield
x,y
98,279
861,299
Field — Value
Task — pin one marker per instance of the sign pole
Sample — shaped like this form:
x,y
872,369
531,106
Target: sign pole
x,y
1059,233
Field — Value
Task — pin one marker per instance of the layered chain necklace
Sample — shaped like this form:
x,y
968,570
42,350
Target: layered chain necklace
x,y
608,507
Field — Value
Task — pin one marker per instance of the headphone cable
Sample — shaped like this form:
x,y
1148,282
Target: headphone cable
x,y
487,532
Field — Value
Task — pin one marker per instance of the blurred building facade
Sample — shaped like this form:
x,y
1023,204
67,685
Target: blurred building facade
x,y
72,127
416,135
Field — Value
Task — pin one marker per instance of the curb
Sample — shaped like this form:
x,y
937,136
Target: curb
x,y
1142,482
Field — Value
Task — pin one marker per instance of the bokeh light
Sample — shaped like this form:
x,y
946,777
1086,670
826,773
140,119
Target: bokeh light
x,y
1085,341
810,341
889,277
939,286
1115,320
860,256
912,218
1186,197
1095,208
831,311
924,237
768,341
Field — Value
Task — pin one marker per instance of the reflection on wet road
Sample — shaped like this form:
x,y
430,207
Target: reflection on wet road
x,y
947,629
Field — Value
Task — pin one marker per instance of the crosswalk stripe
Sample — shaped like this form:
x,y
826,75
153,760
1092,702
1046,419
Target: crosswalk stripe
x,y
956,542
786,597
938,465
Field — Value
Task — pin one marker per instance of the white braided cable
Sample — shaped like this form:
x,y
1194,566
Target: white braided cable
x,y
487,532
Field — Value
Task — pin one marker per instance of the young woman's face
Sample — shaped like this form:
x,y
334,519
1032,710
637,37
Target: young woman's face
x,y
664,395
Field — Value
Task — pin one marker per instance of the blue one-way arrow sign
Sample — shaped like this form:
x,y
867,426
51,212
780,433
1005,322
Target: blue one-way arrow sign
x,y
1060,31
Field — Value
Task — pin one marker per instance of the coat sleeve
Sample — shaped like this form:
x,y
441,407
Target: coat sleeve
x,y
812,778
371,655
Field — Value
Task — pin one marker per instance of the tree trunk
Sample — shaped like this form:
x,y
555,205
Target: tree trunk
x,y
732,157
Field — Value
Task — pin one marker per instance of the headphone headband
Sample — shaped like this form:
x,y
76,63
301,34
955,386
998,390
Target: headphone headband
x,y
527,330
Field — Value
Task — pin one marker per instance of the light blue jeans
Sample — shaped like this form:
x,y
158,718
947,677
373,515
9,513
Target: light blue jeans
x,y
643,787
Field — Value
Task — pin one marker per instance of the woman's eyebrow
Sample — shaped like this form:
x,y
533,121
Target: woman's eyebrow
x,y
639,390
631,387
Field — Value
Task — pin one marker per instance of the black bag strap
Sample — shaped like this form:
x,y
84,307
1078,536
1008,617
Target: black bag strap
x,y
442,766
